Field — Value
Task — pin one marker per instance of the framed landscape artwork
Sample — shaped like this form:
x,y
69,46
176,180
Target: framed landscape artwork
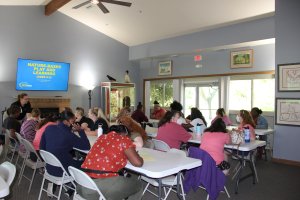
x,y
289,77
241,59
288,111
165,68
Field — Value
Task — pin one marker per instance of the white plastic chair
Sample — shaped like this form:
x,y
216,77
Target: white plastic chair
x,y
84,180
20,153
167,182
7,173
12,146
50,159
29,163
160,145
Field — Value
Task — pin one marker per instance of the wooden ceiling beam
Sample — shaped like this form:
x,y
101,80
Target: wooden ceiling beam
x,y
54,5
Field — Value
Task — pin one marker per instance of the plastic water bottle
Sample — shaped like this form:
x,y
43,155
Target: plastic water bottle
x,y
100,130
198,131
247,134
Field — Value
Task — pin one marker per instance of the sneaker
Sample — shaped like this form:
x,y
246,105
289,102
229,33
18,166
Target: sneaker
x,y
69,193
50,190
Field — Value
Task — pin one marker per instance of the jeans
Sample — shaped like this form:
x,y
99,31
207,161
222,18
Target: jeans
x,y
114,188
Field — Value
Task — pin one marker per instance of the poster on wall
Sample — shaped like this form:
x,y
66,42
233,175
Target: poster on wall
x,y
288,111
289,77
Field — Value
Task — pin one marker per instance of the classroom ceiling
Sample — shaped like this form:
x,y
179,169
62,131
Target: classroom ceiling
x,y
151,20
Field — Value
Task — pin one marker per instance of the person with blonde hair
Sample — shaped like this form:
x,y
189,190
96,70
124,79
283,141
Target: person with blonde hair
x,y
93,115
101,115
85,122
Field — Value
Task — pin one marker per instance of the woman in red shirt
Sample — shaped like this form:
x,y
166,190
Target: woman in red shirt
x,y
170,132
106,158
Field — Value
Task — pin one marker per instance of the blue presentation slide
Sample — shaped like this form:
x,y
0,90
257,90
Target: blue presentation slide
x,y
42,75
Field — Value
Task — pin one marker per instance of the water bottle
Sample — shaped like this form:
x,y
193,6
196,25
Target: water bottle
x,y
198,131
100,130
247,134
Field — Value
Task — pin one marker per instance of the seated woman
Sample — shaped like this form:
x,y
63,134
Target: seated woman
x,y
259,120
107,157
41,127
213,141
138,134
138,115
221,114
197,118
93,115
60,139
176,106
11,123
28,130
246,120
85,122
170,132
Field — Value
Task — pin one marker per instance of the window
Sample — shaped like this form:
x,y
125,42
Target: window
x,y
161,91
247,92
203,95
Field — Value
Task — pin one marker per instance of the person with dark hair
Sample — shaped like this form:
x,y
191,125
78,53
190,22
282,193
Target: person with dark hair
x,y
176,106
24,105
220,113
60,140
85,122
50,120
259,120
170,132
158,112
213,141
196,117
11,123
138,115
107,157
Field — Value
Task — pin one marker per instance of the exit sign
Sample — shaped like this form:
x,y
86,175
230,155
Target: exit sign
x,y
197,58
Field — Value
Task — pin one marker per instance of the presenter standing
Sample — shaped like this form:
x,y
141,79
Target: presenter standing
x,y
25,106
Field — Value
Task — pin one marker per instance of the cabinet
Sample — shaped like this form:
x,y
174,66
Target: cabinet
x,y
115,96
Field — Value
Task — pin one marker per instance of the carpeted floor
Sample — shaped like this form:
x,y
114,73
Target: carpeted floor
x,y
276,181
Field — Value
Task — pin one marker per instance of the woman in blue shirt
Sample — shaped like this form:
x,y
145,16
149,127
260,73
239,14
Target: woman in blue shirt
x,y
259,120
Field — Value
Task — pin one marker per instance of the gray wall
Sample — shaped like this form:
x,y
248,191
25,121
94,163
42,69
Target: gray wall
x,y
217,62
27,33
243,32
287,31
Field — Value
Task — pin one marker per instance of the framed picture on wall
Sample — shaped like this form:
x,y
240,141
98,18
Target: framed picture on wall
x,y
241,59
289,77
287,111
165,68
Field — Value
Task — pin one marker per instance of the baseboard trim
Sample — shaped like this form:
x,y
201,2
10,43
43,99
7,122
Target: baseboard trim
x,y
286,162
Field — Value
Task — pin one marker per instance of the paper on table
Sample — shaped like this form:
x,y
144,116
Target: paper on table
x,y
146,156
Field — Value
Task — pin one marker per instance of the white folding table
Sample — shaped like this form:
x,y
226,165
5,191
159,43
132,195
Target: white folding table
x,y
241,151
158,164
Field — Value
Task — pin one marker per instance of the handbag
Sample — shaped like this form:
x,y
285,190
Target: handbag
x,y
237,137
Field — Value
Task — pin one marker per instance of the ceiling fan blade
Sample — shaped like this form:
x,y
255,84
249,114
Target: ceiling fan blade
x,y
82,4
121,3
103,8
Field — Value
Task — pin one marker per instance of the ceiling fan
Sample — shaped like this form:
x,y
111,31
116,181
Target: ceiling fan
x,y
99,3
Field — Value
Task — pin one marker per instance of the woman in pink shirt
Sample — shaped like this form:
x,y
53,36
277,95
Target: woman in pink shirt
x,y
51,120
221,114
246,121
213,141
170,132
